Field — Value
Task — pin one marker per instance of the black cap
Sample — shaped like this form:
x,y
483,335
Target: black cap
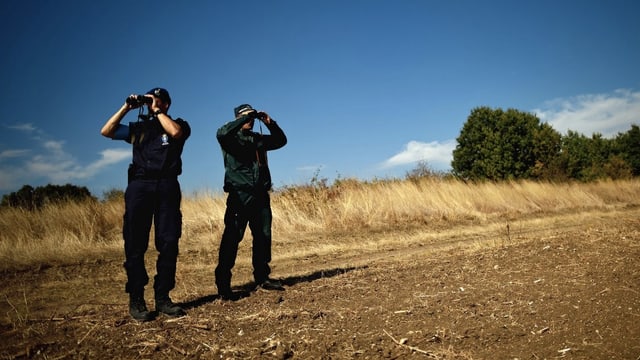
x,y
242,108
160,93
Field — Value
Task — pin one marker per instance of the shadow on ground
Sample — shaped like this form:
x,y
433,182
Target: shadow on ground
x,y
245,290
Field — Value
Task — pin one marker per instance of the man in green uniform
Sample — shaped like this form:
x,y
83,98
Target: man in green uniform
x,y
247,181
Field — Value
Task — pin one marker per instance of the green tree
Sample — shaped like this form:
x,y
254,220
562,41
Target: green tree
x,y
627,146
574,158
617,168
497,145
34,198
22,198
547,147
599,150
587,159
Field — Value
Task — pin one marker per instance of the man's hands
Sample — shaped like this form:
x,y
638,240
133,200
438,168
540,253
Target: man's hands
x,y
155,105
264,117
135,101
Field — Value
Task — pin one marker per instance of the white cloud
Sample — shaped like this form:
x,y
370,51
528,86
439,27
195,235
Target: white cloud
x,y
51,163
23,127
9,179
437,154
56,148
9,154
108,157
607,114
50,167
60,167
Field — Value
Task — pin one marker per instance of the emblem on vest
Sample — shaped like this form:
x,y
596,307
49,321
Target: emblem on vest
x,y
165,139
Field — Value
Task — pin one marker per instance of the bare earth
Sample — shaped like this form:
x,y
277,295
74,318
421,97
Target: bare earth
x,y
546,289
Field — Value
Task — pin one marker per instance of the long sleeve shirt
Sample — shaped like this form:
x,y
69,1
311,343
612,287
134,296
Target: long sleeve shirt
x,y
245,155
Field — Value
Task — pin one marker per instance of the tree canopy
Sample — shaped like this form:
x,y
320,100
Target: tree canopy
x,y
500,145
32,198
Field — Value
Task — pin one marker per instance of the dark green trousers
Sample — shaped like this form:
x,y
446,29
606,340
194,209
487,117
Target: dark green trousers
x,y
245,209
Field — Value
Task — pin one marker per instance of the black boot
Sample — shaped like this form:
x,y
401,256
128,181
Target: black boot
x,y
270,284
138,308
166,306
226,293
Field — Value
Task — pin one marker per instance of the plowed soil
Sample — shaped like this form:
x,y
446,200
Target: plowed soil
x,y
549,289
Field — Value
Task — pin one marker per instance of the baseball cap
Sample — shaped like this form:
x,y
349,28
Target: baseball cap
x,y
241,108
160,93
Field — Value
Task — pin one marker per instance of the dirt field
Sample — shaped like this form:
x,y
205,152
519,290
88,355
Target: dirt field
x,y
544,289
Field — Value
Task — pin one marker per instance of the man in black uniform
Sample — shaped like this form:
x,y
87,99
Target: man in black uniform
x,y
153,194
247,181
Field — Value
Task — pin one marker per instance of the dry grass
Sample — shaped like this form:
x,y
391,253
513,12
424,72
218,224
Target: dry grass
x,y
325,219
58,234
389,269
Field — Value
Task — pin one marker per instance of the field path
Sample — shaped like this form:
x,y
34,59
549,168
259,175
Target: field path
x,y
550,286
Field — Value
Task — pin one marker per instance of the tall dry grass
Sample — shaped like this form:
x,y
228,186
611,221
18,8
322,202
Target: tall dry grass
x,y
57,234
73,232
387,204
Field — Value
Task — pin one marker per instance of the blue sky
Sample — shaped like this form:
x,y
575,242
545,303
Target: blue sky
x,y
362,88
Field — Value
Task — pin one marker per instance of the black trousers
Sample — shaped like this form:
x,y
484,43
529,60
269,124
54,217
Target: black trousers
x,y
147,201
243,209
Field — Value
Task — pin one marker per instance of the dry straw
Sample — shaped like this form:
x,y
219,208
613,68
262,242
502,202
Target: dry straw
x,y
324,217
